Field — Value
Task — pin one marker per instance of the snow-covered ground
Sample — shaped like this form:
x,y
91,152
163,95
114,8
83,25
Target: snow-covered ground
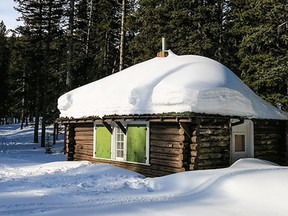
x,y
35,183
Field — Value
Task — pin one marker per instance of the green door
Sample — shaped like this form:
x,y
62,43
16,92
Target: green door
x,y
136,143
103,142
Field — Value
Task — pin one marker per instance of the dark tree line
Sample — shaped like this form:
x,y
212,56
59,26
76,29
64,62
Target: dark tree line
x,y
64,44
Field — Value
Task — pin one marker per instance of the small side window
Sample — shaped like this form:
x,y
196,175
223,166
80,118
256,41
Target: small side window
x,y
239,142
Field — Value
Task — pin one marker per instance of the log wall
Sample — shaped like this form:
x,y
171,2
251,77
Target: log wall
x,y
168,145
202,143
84,142
210,146
84,150
270,141
169,148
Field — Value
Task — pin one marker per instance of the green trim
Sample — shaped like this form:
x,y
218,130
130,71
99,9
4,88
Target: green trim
x,y
136,143
102,142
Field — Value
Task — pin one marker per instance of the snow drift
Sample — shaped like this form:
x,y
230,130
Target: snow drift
x,y
178,84
37,184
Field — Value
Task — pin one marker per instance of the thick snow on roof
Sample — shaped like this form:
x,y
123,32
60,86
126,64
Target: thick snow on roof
x,y
185,83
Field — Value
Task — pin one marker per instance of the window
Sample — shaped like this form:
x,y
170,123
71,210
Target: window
x,y
119,143
114,144
242,140
239,142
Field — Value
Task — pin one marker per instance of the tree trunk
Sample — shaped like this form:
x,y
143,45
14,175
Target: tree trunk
x,y
122,36
89,28
43,131
23,101
36,126
55,133
70,44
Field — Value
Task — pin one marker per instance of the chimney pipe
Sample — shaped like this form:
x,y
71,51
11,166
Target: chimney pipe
x,y
163,44
164,52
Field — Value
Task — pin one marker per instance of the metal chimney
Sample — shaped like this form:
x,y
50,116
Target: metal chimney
x,y
164,48
164,52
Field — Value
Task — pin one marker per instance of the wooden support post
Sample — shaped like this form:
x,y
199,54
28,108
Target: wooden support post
x,y
186,129
108,126
121,126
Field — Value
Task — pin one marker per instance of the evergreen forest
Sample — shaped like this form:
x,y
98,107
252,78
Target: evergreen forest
x,y
63,44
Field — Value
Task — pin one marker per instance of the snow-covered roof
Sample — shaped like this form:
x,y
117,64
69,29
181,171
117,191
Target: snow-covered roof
x,y
186,83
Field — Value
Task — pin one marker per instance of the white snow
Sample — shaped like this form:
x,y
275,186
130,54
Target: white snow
x,y
177,84
34,183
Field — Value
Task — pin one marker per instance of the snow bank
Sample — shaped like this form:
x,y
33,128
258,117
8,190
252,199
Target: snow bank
x,y
186,83
37,184
80,188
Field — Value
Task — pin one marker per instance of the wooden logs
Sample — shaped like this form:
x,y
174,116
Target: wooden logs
x,y
167,142
83,142
210,144
269,140
70,142
173,146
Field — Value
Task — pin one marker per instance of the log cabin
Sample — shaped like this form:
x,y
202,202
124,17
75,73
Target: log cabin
x,y
171,114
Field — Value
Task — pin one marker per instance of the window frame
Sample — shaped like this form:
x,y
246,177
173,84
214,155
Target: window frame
x,y
234,141
114,141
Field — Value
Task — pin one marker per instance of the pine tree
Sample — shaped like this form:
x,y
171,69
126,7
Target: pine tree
x,y
70,43
16,79
4,66
77,36
263,49
102,57
147,24
122,35
41,32
190,27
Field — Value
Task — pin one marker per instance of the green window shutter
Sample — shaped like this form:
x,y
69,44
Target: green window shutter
x,y
103,142
136,143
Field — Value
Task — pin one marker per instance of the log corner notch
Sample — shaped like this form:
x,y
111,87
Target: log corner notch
x,y
195,148
187,129
70,142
